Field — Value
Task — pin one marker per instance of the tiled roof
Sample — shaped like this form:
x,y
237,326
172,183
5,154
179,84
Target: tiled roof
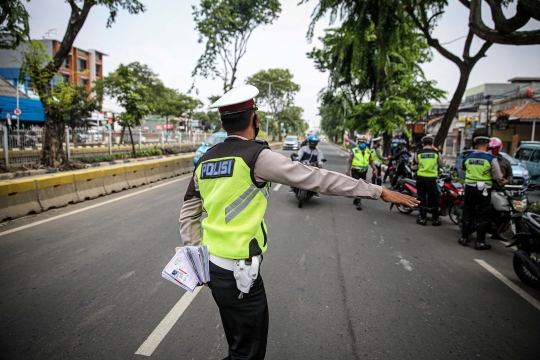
x,y
434,120
6,89
526,111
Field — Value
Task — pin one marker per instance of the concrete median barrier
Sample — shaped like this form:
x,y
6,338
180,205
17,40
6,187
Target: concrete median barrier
x,y
135,175
89,184
151,171
18,198
187,165
56,190
114,179
166,169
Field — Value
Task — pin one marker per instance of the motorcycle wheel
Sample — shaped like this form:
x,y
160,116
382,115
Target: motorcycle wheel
x,y
522,272
454,215
301,196
405,209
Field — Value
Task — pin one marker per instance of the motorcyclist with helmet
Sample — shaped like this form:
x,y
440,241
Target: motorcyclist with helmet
x,y
482,170
378,158
310,153
495,146
391,156
360,160
400,151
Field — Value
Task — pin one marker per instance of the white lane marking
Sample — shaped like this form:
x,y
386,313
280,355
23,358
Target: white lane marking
x,y
159,333
510,284
92,206
277,187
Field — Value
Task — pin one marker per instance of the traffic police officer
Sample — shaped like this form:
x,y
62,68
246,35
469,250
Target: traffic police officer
x,y
232,181
378,158
428,162
482,169
359,161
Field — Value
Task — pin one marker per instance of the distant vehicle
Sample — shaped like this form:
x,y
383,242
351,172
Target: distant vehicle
x,y
528,155
214,139
520,173
291,143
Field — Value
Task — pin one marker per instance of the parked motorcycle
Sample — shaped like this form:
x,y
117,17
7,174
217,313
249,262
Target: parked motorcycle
x,y
403,171
390,171
301,194
507,205
450,197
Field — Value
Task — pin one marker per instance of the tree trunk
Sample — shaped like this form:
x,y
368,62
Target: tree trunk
x,y
386,142
465,71
122,134
52,154
132,144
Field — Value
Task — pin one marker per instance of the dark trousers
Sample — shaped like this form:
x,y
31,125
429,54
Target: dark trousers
x,y
245,321
476,206
428,195
377,180
356,174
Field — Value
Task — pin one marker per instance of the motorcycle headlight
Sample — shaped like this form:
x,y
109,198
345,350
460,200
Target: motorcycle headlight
x,y
519,205
198,154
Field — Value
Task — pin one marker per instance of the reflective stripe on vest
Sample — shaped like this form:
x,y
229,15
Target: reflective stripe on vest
x,y
234,228
374,155
360,161
428,164
478,168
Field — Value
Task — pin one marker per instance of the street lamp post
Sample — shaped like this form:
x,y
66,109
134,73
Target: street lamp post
x,y
269,91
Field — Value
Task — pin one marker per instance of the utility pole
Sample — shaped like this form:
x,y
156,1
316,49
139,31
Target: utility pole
x,y
269,92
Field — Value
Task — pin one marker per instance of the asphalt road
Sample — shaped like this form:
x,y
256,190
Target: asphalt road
x,y
341,284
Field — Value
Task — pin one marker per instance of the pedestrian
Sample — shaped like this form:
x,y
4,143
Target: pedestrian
x,y
232,179
428,162
378,158
482,170
359,161
495,146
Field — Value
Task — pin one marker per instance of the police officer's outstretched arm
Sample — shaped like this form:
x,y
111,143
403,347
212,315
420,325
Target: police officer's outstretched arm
x,y
190,215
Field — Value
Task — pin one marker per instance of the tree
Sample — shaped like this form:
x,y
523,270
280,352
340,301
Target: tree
x,y
124,86
171,102
226,26
505,29
14,26
53,135
372,57
291,118
82,105
390,19
214,119
276,90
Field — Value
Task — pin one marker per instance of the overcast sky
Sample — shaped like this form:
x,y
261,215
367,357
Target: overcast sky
x,y
164,38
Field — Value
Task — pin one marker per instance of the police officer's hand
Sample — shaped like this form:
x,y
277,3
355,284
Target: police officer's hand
x,y
503,182
348,173
398,198
375,173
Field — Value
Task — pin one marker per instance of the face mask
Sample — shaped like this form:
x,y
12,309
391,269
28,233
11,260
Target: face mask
x,y
256,129
394,145
362,145
495,151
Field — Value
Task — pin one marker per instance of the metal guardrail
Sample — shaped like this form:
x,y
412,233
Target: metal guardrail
x,y
23,147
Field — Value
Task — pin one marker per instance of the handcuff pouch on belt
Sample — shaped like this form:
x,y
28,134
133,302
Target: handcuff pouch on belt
x,y
246,273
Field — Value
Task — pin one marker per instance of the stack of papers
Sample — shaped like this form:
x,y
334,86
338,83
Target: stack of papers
x,y
188,267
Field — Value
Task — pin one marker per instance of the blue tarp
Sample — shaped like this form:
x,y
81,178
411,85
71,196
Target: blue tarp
x,y
32,110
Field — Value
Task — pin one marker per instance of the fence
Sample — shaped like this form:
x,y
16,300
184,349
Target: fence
x,y
23,147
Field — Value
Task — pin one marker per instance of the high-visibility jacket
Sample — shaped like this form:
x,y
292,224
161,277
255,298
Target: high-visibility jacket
x,y
374,155
478,167
428,163
234,201
360,160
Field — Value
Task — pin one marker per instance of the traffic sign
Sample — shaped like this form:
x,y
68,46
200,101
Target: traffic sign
x,y
17,111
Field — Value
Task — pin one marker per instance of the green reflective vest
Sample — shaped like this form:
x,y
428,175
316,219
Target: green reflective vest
x,y
374,155
428,163
360,160
234,201
478,168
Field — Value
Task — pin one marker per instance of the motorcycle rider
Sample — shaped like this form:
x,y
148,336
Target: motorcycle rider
x,y
398,153
428,162
378,158
482,169
310,153
495,146
391,156
359,160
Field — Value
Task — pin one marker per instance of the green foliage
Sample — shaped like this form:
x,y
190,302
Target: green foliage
x,y
14,26
155,151
170,102
292,120
226,26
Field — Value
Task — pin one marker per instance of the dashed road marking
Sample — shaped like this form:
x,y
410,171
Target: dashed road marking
x,y
159,333
277,187
510,284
